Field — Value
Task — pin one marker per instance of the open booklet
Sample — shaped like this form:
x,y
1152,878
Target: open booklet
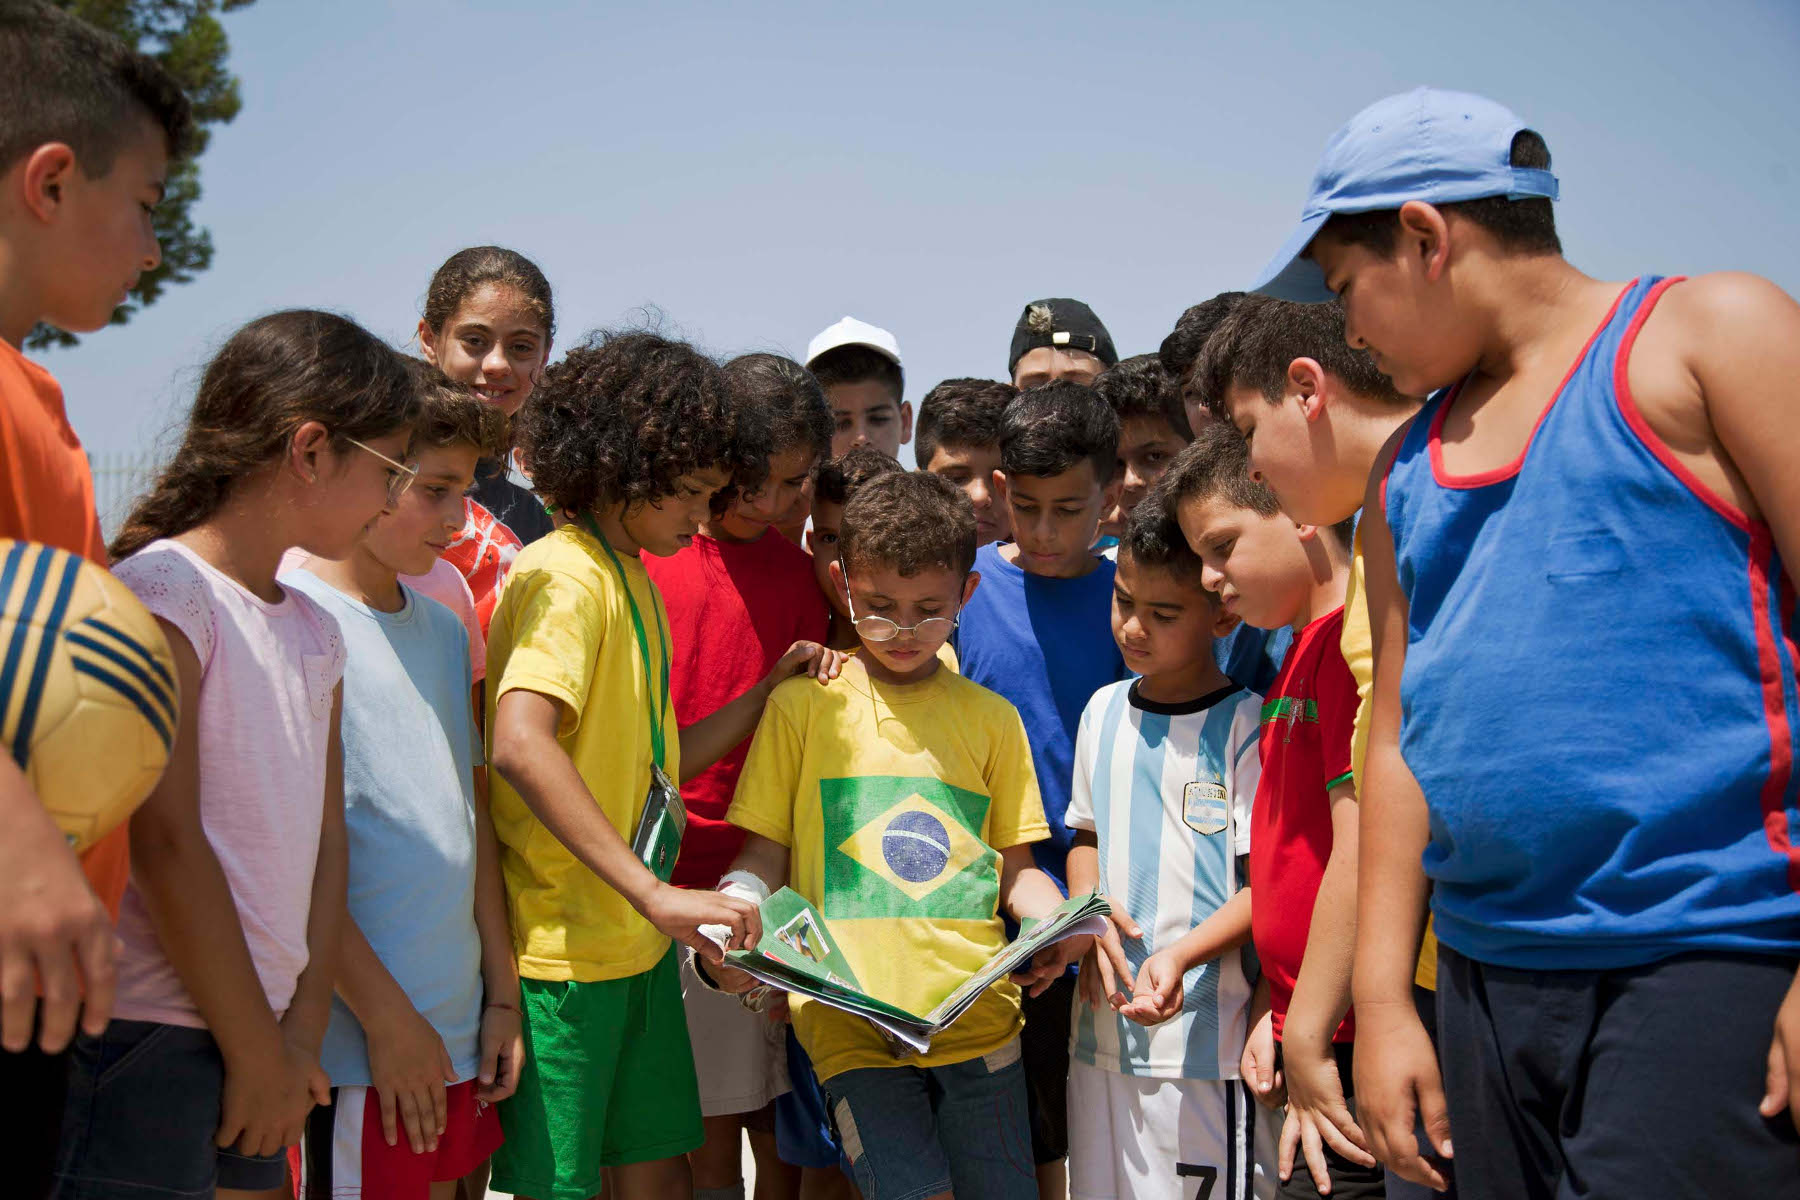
x,y
798,954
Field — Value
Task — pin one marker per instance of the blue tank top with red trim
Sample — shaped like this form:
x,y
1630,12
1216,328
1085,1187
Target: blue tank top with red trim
x,y
1599,697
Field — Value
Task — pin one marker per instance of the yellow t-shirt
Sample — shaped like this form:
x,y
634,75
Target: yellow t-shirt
x,y
562,628
895,801
1359,652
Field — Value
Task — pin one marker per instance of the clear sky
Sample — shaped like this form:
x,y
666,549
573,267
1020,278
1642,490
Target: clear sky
x,y
755,172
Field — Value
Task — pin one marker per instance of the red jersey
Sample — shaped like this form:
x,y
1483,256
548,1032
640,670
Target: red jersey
x,y
47,496
1305,747
483,552
734,609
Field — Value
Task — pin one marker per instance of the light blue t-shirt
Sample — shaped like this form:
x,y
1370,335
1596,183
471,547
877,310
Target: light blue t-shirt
x,y
1167,790
410,749
1047,646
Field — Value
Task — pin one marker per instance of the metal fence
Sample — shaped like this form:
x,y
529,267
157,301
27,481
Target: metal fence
x,y
120,478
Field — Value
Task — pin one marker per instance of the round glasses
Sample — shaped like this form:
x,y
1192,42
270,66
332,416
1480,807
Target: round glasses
x,y
880,629
399,477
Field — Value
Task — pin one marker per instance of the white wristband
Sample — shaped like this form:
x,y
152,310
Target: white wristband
x,y
743,886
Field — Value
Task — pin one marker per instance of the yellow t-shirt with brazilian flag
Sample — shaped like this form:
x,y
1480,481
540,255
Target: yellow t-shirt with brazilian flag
x,y
894,801
1359,653
563,629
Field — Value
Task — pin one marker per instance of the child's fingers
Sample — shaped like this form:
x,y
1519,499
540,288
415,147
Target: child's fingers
x,y
1290,1143
1125,925
1434,1114
99,954
390,1129
440,1115
1121,968
1774,1082
18,998
1340,1131
515,1062
1314,1154
413,1120
59,998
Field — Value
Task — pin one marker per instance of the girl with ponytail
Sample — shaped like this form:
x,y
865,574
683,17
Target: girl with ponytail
x,y
230,925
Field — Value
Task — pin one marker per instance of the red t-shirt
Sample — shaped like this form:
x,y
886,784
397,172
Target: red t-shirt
x,y
47,496
734,609
483,552
1305,747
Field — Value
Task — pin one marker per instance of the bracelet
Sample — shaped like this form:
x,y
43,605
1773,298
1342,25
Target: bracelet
x,y
511,1008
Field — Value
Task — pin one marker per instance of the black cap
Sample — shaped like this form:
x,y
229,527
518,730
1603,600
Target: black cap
x,y
1061,324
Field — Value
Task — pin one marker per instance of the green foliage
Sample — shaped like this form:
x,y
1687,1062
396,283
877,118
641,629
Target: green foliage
x,y
187,37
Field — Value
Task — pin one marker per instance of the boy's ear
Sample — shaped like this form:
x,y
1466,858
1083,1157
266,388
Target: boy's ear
x,y
1000,488
1307,383
807,538
45,177
905,421
1425,234
1307,533
310,441
969,586
1109,495
836,568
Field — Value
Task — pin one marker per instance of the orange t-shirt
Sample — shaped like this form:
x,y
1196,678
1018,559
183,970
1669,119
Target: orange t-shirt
x,y
47,495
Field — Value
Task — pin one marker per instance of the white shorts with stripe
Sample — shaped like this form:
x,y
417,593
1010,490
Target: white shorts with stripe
x,y
1137,1138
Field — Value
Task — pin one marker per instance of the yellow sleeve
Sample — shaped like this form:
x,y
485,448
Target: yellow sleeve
x,y
557,627
1016,810
764,801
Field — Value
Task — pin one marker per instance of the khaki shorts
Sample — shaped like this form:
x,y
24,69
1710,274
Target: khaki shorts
x,y
740,1057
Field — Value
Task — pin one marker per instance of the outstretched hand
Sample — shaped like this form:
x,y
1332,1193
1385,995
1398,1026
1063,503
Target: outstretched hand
x,y
1105,976
1158,993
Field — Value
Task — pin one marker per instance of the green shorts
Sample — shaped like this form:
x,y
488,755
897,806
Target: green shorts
x,y
608,1079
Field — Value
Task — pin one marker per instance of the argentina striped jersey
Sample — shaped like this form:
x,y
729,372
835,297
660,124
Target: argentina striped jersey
x,y
1167,790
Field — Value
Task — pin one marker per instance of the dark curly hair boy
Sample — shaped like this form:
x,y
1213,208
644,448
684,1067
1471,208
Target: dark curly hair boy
x,y
624,416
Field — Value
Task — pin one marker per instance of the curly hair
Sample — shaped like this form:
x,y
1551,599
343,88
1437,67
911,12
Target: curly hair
x,y
1141,387
909,521
1192,329
624,415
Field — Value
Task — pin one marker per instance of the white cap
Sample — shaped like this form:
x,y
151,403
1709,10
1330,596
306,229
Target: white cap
x,y
852,332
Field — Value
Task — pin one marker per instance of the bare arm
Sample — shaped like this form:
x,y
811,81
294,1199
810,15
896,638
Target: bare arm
x,y
712,737
502,1022
1027,893
528,755
310,1009
1226,929
190,906
1322,991
1397,1079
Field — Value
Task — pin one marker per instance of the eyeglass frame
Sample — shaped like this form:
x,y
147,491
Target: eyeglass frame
x,y
856,621
403,473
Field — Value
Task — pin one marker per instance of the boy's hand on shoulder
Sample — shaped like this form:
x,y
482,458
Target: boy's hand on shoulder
x,y
1105,976
502,1053
1158,993
1398,1085
267,1096
679,913
408,1067
1782,1088
1317,1115
806,658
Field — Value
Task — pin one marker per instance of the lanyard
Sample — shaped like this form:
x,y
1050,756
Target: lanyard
x,y
643,640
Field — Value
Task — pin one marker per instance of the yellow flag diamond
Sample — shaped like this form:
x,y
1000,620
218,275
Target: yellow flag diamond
x,y
915,846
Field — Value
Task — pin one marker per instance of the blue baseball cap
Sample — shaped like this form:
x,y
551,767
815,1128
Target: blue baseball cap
x,y
1439,147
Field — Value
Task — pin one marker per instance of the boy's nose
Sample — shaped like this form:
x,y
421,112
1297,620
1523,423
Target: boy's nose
x,y
1211,578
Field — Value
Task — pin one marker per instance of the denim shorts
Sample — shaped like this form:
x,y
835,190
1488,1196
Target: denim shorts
x,y
142,1112
911,1132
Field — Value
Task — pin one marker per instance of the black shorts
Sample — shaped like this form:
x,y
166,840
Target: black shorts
x,y
1637,1082
144,1106
33,1085
1045,1044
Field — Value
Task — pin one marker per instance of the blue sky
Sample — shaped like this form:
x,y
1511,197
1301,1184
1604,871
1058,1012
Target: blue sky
x,y
755,172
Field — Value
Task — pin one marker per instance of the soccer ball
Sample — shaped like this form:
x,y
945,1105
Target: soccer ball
x,y
88,696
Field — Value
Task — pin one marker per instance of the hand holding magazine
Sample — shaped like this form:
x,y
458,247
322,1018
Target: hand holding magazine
x,y
798,954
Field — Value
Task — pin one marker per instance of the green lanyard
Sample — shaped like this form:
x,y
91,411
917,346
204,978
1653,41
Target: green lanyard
x,y
643,640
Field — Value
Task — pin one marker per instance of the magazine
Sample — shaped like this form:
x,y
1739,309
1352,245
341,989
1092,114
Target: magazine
x,y
798,954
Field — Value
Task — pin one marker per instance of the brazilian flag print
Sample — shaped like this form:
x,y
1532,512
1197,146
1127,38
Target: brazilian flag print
x,y
898,846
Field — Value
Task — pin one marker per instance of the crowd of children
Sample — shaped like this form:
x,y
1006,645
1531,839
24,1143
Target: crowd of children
x,y
1431,589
